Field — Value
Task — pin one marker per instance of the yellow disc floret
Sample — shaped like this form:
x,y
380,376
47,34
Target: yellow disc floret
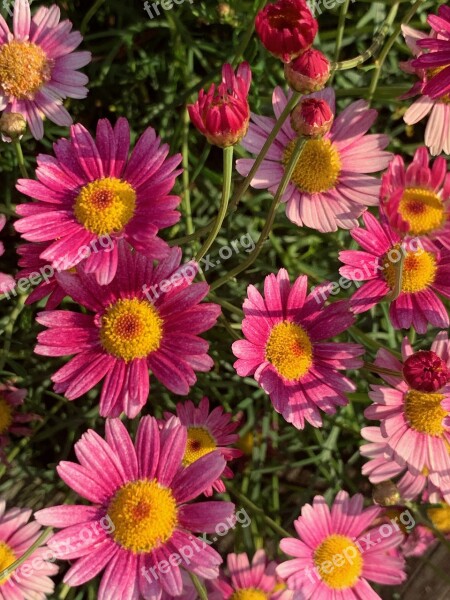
x,y
199,443
249,594
318,167
5,415
339,562
105,205
7,558
440,517
24,69
422,209
131,328
289,349
424,412
418,271
144,515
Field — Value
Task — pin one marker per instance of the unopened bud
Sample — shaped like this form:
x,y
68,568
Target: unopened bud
x,y
386,494
12,126
312,117
309,72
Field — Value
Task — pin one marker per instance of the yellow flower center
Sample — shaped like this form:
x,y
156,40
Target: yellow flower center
x,y
318,167
5,415
422,210
339,562
7,558
105,205
432,73
24,68
290,351
249,594
424,412
440,517
199,443
419,271
130,329
144,515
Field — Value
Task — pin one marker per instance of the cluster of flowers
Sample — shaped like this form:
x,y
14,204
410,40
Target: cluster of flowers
x,y
94,187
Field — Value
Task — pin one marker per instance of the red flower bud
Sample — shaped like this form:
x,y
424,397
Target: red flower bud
x,y
309,72
312,117
426,371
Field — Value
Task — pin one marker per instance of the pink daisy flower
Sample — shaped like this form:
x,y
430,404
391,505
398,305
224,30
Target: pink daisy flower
x,y
330,187
437,131
7,282
208,431
425,271
416,199
345,536
31,580
139,526
38,66
286,351
146,318
411,419
12,421
382,467
255,581
91,195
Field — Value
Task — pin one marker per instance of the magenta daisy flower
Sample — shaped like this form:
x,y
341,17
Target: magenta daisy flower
x,y
249,581
425,271
345,536
437,131
286,351
139,526
208,431
31,580
7,282
330,187
146,318
411,417
12,421
416,199
92,194
38,66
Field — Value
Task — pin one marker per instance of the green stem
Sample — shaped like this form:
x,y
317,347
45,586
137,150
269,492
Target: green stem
x,y
381,370
90,13
247,36
41,539
340,29
9,330
270,218
226,189
186,185
20,159
202,594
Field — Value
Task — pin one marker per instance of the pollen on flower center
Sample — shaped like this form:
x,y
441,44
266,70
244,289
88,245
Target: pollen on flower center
x,y
7,558
344,576
105,205
131,328
440,517
5,416
144,515
318,167
289,349
424,412
24,68
423,210
199,443
419,271
249,594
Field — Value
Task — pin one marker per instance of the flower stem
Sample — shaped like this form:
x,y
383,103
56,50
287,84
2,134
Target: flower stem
x,y
41,539
198,586
381,370
226,189
270,218
20,159
186,184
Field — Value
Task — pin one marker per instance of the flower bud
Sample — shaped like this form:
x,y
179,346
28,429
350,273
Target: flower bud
x,y
312,117
386,494
12,126
426,371
309,72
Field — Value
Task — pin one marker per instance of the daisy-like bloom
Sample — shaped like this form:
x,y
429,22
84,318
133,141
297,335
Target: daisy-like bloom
x,y
437,131
286,28
93,193
425,270
208,431
38,66
139,526
416,199
358,551
330,187
7,282
411,419
12,421
286,351
222,114
249,581
31,580
148,317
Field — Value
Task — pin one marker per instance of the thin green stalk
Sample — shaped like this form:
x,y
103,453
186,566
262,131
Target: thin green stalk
x,y
186,185
226,190
9,330
381,370
247,36
270,218
340,29
41,539
20,159
202,594
90,13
